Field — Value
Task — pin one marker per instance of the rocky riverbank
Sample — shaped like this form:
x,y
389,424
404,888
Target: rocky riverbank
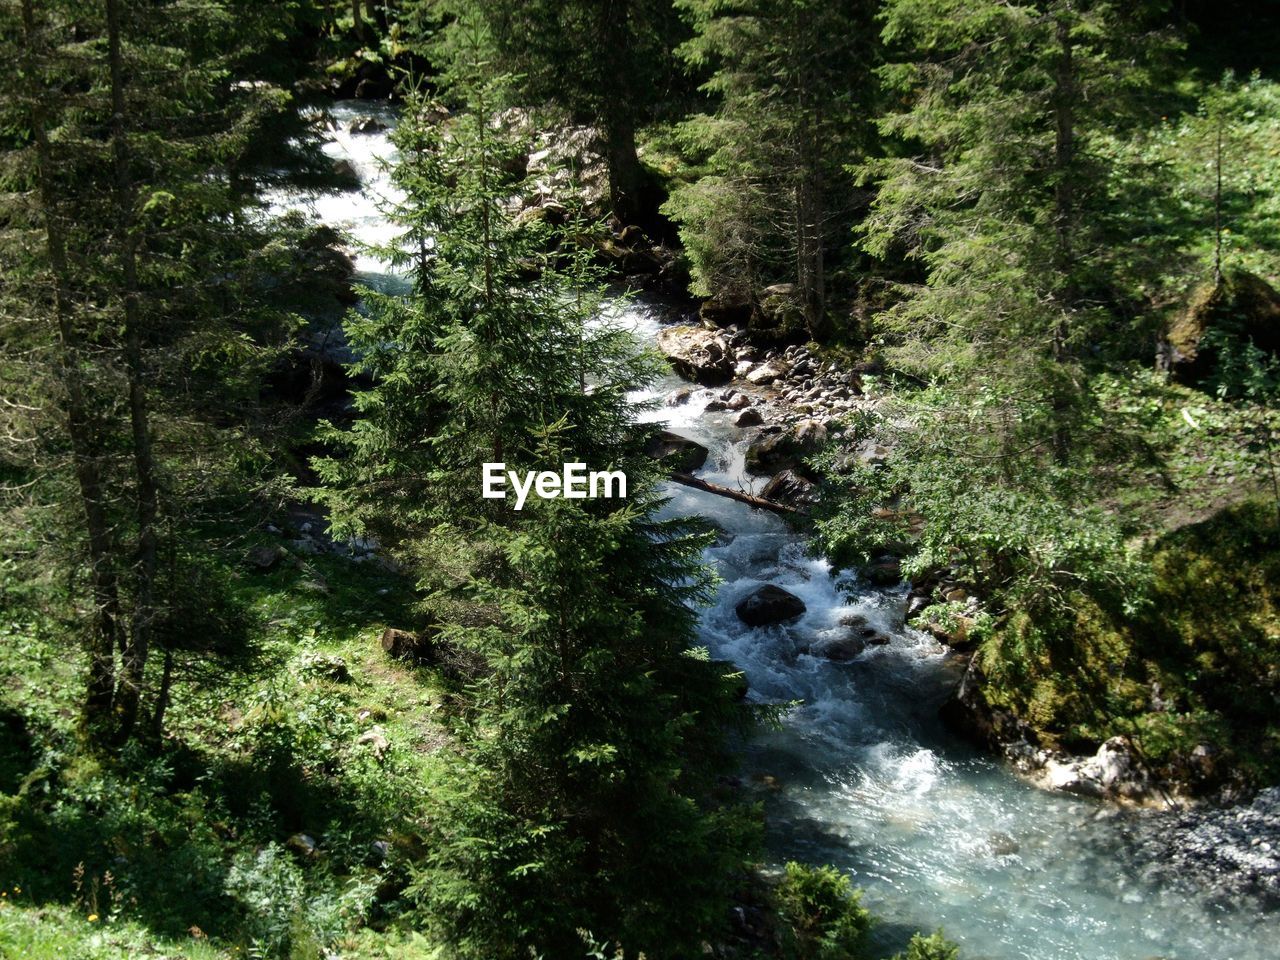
x,y
1233,852
791,400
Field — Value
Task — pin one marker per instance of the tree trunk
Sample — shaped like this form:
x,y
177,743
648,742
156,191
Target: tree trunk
x,y
162,698
810,265
810,236
689,480
357,18
1064,223
106,602
147,493
626,178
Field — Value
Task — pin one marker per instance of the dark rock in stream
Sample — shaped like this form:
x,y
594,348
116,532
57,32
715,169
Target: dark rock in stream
x,y
768,605
684,455
842,649
366,124
727,309
786,450
789,488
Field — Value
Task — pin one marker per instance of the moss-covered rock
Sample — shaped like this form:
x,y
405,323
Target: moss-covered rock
x,y
1241,305
779,316
1194,675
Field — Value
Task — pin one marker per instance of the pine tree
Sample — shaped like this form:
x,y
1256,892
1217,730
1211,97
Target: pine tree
x,y
1002,444
1006,203
792,90
495,343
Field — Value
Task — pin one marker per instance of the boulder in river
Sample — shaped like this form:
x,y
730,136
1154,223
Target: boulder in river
x,y
366,124
884,572
697,354
768,605
679,396
683,454
1114,771
727,308
789,488
841,649
787,449
766,373
749,418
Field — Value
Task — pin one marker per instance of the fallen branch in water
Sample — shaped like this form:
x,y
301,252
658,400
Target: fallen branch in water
x,y
691,481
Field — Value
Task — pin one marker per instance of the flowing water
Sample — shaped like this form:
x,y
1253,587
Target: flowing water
x,y
861,774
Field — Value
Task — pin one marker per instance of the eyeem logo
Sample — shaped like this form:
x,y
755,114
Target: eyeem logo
x,y
573,484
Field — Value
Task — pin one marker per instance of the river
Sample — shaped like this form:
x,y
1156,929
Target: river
x,y
861,774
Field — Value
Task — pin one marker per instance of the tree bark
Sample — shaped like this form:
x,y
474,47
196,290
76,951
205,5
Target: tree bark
x,y
689,480
810,238
134,660
1064,222
163,697
79,425
626,178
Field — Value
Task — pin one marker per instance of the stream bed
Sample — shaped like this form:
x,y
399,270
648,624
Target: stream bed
x,y
861,774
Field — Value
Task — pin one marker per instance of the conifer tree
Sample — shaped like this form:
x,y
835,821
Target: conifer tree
x,y
1006,202
580,795
607,65
792,90
141,317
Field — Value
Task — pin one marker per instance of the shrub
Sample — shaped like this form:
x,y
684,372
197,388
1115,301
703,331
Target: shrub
x,y
932,947
821,913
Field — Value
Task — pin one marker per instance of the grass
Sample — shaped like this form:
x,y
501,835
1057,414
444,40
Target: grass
x,y
31,932
195,848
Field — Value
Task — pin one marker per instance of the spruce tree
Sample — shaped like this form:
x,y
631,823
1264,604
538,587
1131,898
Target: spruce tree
x,y
1005,201
792,90
606,65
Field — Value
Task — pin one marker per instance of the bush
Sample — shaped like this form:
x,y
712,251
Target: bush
x,y
933,947
821,913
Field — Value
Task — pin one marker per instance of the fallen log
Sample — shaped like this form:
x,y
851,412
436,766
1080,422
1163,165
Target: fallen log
x,y
691,481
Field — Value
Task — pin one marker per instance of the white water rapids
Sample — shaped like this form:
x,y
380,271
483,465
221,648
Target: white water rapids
x,y
861,774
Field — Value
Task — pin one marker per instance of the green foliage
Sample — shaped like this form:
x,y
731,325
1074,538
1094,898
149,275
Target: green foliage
x,y
150,300
1191,668
769,203
1233,131
494,347
933,947
552,51
1020,531
1008,204
588,735
821,915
